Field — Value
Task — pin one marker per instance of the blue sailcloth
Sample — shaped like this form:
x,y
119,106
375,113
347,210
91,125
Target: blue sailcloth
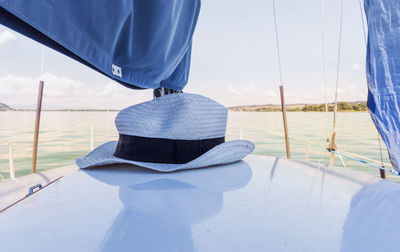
x,y
139,43
383,71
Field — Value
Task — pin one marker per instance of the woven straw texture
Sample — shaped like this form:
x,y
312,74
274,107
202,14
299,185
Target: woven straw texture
x,y
225,153
174,116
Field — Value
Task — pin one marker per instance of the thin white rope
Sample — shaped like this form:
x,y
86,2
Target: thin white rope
x,y
396,172
324,67
364,157
42,64
277,43
48,131
341,159
363,23
73,127
303,140
380,149
338,70
280,135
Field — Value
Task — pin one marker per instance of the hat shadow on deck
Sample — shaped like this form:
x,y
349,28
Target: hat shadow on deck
x,y
159,209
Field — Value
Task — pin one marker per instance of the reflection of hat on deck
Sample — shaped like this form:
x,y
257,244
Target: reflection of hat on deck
x,y
371,224
221,178
173,132
162,207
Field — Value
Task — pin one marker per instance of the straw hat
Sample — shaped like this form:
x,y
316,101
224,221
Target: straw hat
x,y
173,132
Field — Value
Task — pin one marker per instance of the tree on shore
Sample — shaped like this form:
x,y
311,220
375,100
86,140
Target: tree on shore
x,y
342,106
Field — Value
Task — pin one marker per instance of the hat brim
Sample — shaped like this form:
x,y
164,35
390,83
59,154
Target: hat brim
x,y
225,153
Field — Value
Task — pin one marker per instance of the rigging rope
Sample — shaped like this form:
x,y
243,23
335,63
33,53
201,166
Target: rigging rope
x,y
380,149
42,64
332,144
364,157
368,163
342,152
324,67
363,23
277,43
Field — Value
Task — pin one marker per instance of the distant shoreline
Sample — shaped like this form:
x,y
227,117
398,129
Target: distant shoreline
x,y
358,106
230,110
5,107
67,110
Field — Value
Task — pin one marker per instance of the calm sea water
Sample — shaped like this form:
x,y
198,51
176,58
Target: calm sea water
x,y
65,136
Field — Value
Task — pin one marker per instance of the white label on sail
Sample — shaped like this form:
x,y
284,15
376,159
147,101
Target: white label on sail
x,y
116,70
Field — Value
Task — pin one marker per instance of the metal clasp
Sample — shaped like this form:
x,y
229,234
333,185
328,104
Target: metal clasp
x,y
161,91
32,188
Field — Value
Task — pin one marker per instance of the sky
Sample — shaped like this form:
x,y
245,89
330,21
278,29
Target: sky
x,y
234,60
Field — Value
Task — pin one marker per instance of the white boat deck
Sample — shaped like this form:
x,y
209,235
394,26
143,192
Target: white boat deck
x,y
260,204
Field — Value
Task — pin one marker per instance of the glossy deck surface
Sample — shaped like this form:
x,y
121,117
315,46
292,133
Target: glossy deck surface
x,y
260,204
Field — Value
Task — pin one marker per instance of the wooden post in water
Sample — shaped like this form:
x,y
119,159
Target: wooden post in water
x,y
91,137
10,160
332,146
285,126
37,124
307,149
383,173
332,159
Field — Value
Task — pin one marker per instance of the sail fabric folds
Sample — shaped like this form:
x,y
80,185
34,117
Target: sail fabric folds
x,y
139,43
383,71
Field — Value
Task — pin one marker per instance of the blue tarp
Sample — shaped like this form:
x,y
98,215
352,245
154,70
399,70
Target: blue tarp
x,y
139,43
383,71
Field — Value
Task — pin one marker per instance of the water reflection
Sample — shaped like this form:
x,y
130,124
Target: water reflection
x,y
372,223
160,209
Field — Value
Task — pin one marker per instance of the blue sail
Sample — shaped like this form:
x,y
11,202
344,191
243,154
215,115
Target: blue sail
x,y
139,43
383,71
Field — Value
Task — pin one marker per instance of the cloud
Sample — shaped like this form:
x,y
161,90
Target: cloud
x,y
236,94
250,94
6,36
232,90
244,89
348,92
356,67
62,92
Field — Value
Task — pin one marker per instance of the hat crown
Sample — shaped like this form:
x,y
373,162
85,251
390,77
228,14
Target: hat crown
x,y
176,116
